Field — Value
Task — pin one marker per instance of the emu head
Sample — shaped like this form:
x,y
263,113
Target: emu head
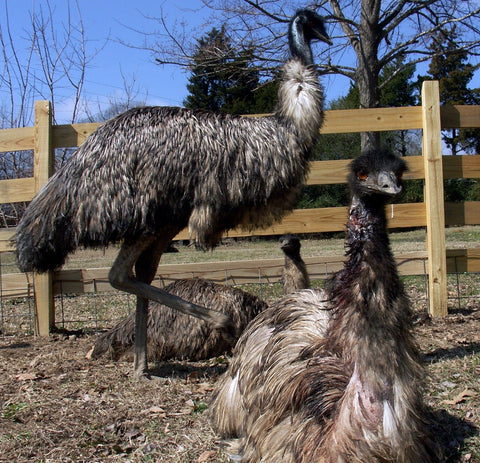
x,y
376,174
304,27
290,245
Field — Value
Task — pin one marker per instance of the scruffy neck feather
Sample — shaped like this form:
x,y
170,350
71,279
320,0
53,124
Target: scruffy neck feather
x,y
300,99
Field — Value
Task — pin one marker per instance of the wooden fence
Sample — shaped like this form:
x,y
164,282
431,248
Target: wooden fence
x,y
433,213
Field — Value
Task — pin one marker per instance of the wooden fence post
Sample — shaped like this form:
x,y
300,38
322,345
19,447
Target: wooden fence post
x,y
43,159
434,199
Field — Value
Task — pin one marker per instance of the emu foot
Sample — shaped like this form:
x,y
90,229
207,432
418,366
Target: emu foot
x,y
224,324
142,375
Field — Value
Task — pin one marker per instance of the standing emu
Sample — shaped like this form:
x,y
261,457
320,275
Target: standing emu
x,y
294,272
172,334
334,376
146,174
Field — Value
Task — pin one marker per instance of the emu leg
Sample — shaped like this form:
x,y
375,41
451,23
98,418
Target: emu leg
x,y
145,268
145,255
140,365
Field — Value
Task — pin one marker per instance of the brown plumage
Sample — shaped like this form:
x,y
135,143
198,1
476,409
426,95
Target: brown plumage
x,y
172,334
334,376
146,174
294,272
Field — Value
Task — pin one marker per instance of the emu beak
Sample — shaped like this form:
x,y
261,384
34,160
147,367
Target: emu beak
x,y
388,184
320,33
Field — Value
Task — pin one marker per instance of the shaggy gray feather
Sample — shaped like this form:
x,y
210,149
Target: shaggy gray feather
x,y
334,376
153,166
172,334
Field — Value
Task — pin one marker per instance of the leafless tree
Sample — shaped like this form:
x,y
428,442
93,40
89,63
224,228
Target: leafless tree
x,y
48,61
367,34
129,98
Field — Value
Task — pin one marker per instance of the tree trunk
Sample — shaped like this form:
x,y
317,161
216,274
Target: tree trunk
x,y
368,68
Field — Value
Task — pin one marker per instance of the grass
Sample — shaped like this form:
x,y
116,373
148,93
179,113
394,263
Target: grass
x,y
256,248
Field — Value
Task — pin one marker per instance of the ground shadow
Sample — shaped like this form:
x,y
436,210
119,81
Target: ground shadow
x,y
184,370
16,345
452,353
451,433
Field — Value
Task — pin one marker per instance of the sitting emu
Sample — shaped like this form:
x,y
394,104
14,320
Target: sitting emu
x,y
172,334
294,272
334,376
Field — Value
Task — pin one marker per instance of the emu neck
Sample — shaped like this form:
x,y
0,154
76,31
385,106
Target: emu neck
x,y
300,102
371,317
299,47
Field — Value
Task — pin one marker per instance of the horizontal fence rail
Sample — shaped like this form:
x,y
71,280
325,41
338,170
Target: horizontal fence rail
x,y
433,214
95,280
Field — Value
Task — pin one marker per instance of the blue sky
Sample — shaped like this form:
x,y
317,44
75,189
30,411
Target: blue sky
x,y
118,20
114,20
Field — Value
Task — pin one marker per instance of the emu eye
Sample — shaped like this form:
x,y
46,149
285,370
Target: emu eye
x,y
362,175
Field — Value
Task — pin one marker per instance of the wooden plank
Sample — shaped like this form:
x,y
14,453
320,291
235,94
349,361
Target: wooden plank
x,y
328,219
406,215
16,285
372,119
17,190
328,172
416,168
460,116
81,281
72,135
6,236
461,166
335,172
43,169
434,199
467,213
337,121
21,139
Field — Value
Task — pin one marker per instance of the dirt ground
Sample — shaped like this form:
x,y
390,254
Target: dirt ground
x,y
58,406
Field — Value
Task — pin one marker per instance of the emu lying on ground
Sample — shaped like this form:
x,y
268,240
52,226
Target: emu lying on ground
x,y
146,174
172,334
294,272
334,376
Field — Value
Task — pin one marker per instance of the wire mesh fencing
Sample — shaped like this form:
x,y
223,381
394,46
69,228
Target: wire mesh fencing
x,y
99,310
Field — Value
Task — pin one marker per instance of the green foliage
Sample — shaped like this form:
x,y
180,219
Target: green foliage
x,y
459,189
450,66
412,192
11,410
396,87
222,79
225,80
323,196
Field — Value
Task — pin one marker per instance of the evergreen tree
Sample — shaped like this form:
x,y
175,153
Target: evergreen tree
x,y
450,66
222,79
396,90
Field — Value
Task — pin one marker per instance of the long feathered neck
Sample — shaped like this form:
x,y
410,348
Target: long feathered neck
x,y
372,317
299,45
300,101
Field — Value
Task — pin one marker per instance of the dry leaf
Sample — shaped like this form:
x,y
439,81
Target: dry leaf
x,y
28,376
459,398
88,355
209,455
203,388
159,411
